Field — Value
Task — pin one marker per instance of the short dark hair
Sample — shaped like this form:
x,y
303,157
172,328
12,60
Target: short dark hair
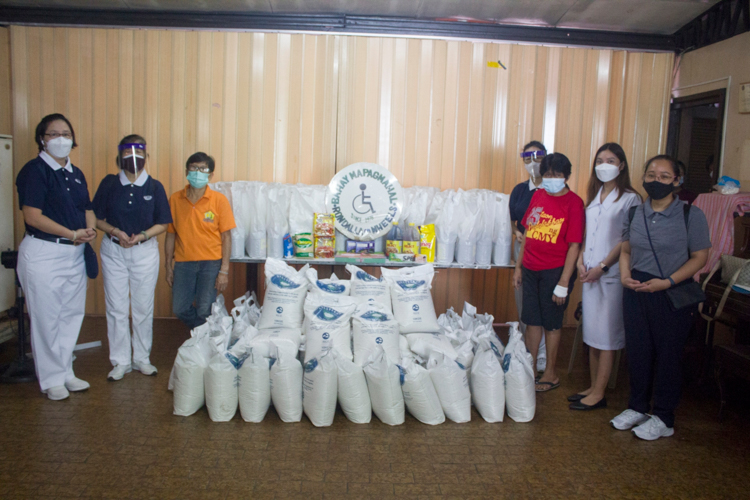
x,y
41,129
672,161
133,139
200,157
556,162
535,144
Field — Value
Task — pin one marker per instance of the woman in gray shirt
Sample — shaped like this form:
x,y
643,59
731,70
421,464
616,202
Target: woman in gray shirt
x,y
665,242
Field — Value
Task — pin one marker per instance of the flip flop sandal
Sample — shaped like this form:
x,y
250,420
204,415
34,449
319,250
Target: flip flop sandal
x,y
550,385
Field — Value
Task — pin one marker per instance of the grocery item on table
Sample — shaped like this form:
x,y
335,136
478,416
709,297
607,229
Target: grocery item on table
x,y
427,241
303,246
411,240
325,247
394,241
324,225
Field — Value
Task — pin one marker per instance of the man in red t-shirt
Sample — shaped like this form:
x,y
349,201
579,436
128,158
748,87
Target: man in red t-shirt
x,y
546,265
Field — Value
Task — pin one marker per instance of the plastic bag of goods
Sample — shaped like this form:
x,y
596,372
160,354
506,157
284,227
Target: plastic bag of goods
x,y
277,219
468,229
452,385
286,387
518,365
426,345
328,325
353,395
221,380
372,326
411,297
255,244
446,227
246,309
305,201
255,387
419,201
186,379
366,286
486,226
324,233
384,385
503,234
287,340
320,390
285,296
333,285
238,233
420,396
488,382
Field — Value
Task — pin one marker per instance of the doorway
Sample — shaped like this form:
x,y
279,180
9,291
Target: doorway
x,y
695,137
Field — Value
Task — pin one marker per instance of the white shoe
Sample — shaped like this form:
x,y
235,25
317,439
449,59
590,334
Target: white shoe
x,y
145,368
541,364
653,429
57,393
118,372
628,419
76,385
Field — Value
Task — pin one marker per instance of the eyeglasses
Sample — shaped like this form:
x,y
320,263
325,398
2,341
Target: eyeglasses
x,y
55,135
203,170
663,178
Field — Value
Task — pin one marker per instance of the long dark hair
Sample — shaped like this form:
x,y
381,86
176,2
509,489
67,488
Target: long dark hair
x,y
622,181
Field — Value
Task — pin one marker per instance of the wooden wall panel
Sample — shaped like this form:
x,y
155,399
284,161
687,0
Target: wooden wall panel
x,y
295,108
6,117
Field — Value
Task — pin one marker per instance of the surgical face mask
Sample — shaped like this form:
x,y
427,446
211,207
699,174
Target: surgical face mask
x,y
59,147
657,190
607,172
553,185
197,179
533,169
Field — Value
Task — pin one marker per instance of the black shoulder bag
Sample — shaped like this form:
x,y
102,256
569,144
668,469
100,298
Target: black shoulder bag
x,y
687,293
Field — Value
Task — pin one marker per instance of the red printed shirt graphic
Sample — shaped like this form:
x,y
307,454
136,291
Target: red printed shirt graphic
x,y
552,222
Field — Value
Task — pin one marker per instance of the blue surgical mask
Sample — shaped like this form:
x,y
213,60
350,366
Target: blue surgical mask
x,y
197,179
553,186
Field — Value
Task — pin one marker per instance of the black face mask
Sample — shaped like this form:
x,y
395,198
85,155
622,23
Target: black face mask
x,y
657,190
127,164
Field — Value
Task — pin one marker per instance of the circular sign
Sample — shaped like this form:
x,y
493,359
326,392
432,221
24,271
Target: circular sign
x,y
366,199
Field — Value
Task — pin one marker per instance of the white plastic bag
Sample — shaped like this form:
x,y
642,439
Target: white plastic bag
x,y
187,375
222,382
287,340
452,385
372,326
255,388
333,285
425,345
420,396
277,219
446,227
365,286
305,201
488,382
486,227
246,309
285,296
255,244
411,297
328,325
239,232
384,385
518,365
286,387
503,234
468,230
320,390
353,395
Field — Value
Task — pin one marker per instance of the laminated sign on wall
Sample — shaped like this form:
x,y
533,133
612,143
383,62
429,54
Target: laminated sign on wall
x,y
366,199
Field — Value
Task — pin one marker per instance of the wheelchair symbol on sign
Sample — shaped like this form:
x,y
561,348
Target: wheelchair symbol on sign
x,y
360,206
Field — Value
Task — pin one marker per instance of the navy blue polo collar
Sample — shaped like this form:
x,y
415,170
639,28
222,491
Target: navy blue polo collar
x,y
53,163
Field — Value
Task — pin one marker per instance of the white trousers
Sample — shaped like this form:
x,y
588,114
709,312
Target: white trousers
x,y
130,276
53,278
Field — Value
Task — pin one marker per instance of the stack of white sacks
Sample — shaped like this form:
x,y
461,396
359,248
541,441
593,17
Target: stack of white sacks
x,y
472,227
372,345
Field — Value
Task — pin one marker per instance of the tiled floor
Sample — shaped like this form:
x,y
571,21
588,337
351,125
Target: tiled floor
x,y
120,440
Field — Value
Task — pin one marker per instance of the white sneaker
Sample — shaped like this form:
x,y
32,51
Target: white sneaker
x,y
541,364
145,368
653,429
57,393
76,385
628,419
118,372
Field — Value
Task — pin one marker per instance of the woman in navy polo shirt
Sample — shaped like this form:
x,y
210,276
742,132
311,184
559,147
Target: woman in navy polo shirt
x,y
132,209
54,198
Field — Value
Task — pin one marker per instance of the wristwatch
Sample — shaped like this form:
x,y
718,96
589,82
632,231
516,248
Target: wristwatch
x,y
604,268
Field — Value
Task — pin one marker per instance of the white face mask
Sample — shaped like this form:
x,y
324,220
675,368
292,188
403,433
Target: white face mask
x,y
533,169
59,147
606,172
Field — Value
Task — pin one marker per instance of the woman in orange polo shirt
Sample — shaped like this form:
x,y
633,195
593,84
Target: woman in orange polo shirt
x,y
198,243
